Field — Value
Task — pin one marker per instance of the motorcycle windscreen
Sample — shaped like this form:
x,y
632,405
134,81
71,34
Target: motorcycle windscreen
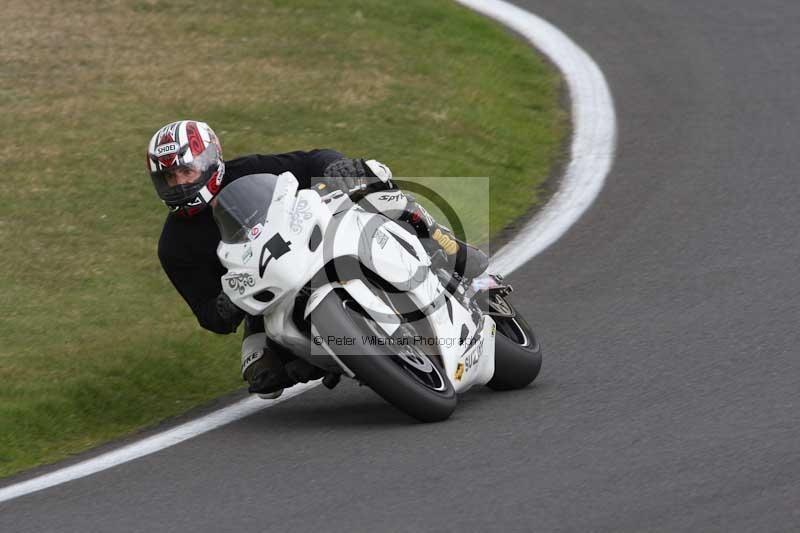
x,y
243,205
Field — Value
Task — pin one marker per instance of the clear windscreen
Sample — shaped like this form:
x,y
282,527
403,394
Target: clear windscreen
x,y
242,205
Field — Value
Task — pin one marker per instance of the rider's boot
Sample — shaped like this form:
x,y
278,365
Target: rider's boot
x,y
442,245
268,368
262,368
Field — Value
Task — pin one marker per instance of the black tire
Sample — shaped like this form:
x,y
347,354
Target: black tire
x,y
385,368
518,355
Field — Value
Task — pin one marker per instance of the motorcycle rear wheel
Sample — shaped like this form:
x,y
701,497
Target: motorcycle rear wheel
x,y
403,375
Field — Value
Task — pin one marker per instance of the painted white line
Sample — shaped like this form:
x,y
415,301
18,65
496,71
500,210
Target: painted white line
x,y
150,445
594,137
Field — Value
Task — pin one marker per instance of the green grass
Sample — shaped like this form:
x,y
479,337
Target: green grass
x,y
94,341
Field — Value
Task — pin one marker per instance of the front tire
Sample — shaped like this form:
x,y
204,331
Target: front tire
x,y
403,375
518,354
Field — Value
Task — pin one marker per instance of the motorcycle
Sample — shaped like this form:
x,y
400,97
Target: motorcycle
x,y
354,294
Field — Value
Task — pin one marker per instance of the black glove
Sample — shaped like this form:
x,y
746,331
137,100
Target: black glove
x,y
348,168
355,176
344,174
228,312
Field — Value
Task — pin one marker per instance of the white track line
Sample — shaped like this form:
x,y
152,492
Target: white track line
x,y
149,445
593,141
593,138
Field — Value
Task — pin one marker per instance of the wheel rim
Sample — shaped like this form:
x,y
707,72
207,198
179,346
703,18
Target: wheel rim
x,y
411,359
511,328
419,365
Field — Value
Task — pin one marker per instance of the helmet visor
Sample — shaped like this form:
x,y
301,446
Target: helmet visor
x,y
172,184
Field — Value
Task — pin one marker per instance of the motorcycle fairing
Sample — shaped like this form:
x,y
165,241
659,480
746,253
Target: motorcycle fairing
x,y
266,273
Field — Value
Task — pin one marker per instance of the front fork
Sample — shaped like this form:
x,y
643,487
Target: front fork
x,y
490,295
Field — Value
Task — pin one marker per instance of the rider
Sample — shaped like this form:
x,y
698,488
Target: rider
x,y
184,159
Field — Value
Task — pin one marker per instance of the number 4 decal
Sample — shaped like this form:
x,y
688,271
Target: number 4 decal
x,y
276,247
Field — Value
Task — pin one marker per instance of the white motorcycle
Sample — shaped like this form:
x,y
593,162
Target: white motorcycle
x,y
354,294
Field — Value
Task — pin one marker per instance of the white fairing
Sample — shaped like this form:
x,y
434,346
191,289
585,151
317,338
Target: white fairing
x,y
281,257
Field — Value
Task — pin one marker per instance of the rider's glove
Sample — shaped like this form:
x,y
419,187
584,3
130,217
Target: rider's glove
x,y
351,175
228,312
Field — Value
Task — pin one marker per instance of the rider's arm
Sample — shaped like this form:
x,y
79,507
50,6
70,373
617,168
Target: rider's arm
x,y
214,310
303,165
197,279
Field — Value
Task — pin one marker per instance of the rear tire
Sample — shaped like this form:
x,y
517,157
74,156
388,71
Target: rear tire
x,y
518,355
404,375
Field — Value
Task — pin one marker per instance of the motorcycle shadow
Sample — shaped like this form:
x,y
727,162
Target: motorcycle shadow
x,y
350,405
347,405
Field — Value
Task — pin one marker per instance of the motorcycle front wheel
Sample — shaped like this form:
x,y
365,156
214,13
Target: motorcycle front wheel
x,y
518,354
400,372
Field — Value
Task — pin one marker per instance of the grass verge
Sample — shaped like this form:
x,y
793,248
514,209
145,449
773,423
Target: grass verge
x,y
94,341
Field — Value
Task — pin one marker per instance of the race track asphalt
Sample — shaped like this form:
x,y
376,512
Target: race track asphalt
x,y
670,394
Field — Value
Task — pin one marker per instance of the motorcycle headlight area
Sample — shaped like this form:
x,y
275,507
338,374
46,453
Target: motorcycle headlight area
x,y
244,291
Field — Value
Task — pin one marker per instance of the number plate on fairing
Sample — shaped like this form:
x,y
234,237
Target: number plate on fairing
x,y
476,365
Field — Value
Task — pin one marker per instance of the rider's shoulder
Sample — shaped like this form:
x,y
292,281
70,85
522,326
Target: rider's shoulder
x,y
252,164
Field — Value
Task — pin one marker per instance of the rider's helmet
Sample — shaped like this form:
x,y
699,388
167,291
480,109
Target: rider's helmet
x,y
185,148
